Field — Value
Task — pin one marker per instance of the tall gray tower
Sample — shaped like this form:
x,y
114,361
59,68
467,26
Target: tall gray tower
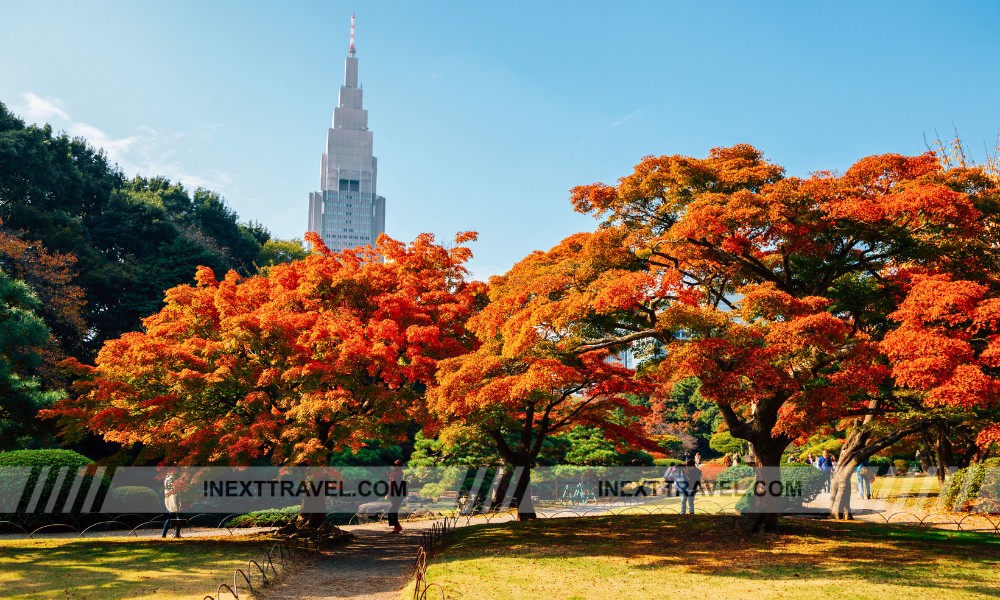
x,y
347,212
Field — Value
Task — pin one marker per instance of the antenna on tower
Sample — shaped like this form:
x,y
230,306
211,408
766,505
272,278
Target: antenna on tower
x,y
352,35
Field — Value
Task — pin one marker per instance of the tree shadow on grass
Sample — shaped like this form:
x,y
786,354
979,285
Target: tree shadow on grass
x,y
119,568
806,550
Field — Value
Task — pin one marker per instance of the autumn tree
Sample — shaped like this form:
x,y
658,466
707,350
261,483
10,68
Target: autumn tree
x,y
775,291
318,355
531,378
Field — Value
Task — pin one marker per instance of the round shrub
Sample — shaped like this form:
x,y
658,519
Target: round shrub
x,y
37,460
879,464
732,476
901,466
725,443
136,498
802,483
265,518
667,462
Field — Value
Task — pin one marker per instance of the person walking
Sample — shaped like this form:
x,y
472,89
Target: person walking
x,y
395,496
865,476
173,505
688,482
825,464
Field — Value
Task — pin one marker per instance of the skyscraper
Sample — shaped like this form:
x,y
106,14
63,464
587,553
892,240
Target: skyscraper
x,y
347,211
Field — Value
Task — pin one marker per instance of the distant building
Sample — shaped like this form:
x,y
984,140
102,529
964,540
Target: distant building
x,y
347,211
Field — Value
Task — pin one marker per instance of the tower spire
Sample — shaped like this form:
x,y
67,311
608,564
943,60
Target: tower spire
x,y
352,35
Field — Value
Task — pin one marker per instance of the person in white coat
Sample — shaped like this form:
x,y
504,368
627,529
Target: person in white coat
x,y
172,504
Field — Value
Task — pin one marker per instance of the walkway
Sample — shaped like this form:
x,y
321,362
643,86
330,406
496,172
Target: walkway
x,y
374,566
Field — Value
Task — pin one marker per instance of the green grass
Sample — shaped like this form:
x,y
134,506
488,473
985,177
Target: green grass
x,y
667,556
921,491
123,568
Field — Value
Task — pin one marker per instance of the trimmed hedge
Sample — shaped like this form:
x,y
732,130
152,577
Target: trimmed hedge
x,y
974,486
667,462
879,464
37,460
135,496
732,475
797,476
265,518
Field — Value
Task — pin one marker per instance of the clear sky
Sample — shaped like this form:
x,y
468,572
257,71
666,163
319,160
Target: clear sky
x,y
486,113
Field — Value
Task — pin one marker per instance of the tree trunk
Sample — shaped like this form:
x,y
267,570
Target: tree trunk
x,y
858,448
852,454
766,506
502,479
522,496
310,520
946,457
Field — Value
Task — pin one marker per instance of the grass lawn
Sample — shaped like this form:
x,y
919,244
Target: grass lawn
x,y
921,491
123,568
668,556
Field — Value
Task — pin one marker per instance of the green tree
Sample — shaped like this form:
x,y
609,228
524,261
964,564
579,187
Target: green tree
x,y
132,239
23,334
276,251
724,443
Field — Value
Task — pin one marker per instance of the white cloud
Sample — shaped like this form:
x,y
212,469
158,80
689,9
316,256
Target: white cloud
x,y
635,113
148,152
39,109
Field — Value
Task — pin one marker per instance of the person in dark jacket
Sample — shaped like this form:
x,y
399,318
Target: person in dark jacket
x,y
688,481
395,498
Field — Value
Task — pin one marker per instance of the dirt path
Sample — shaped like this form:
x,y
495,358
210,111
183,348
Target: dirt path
x,y
375,566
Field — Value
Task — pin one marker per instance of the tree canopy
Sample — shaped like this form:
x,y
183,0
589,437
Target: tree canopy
x,y
131,239
313,356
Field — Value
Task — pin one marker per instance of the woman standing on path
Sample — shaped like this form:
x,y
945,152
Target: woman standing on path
x,y
172,504
395,497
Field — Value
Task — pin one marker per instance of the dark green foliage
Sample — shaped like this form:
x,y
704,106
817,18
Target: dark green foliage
x,y
588,446
802,484
135,498
132,239
879,464
733,474
22,336
465,451
265,518
37,460
687,410
976,487
368,456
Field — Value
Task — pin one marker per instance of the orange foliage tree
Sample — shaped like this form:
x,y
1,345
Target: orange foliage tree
x,y
50,275
309,357
532,377
776,291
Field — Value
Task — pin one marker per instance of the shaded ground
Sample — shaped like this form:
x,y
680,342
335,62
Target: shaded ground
x,y
666,556
374,566
122,567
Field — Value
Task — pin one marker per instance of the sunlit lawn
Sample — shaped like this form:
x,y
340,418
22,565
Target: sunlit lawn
x,y
669,556
122,567
922,492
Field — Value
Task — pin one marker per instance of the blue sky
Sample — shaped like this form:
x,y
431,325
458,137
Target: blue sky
x,y
485,114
